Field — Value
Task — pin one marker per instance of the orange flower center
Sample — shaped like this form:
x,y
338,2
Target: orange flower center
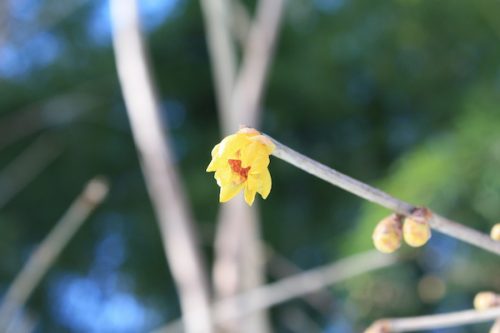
x,y
236,168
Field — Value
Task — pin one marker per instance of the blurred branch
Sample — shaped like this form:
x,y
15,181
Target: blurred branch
x,y
295,320
295,286
240,22
223,57
4,21
23,322
381,198
161,175
239,259
239,263
450,319
279,266
26,167
44,22
47,252
57,110
257,56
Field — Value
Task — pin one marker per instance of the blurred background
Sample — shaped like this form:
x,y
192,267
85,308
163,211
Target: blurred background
x,y
401,94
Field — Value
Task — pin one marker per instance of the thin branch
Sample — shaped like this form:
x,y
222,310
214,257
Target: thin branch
x,y
240,22
381,198
26,167
161,175
24,322
297,321
295,286
450,319
279,266
258,54
48,251
239,264
222,56
55,111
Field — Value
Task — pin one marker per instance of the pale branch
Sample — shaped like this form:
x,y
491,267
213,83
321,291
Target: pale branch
x,y
217,18
238,256
258,54
18,125
381,198
240,22
294,286
27,166
162,177
279,266
450,319
47,252
296,320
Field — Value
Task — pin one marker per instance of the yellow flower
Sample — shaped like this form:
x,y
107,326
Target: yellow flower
x,y
240,161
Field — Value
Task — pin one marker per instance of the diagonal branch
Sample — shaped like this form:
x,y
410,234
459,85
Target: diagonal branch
x,y
48,251
27,166
161,175
450,319
381,198
294,286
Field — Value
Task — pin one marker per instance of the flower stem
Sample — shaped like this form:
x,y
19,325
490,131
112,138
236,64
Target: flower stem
x,y
381,198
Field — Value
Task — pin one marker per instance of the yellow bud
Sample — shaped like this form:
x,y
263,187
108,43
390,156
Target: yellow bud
x,y
416,229
495,232
387,234
380,326
496,327
486,300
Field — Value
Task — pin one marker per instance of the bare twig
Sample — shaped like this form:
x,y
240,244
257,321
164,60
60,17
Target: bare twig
x,y
294,286
23,322
238,264
279,266
381,198
4,21
229,236
258,53
45,22
223,57
162,177
450,319
26,167
58,110
240,22
297,321
48,251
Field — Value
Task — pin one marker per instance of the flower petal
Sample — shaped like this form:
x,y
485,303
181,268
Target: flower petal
x,y
228,191
248,131
249,153
266,184
240,161
249,196
266,142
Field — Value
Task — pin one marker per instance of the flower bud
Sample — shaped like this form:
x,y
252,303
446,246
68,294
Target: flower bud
x,y
495,232
416,229
486,300
380,326
387,234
